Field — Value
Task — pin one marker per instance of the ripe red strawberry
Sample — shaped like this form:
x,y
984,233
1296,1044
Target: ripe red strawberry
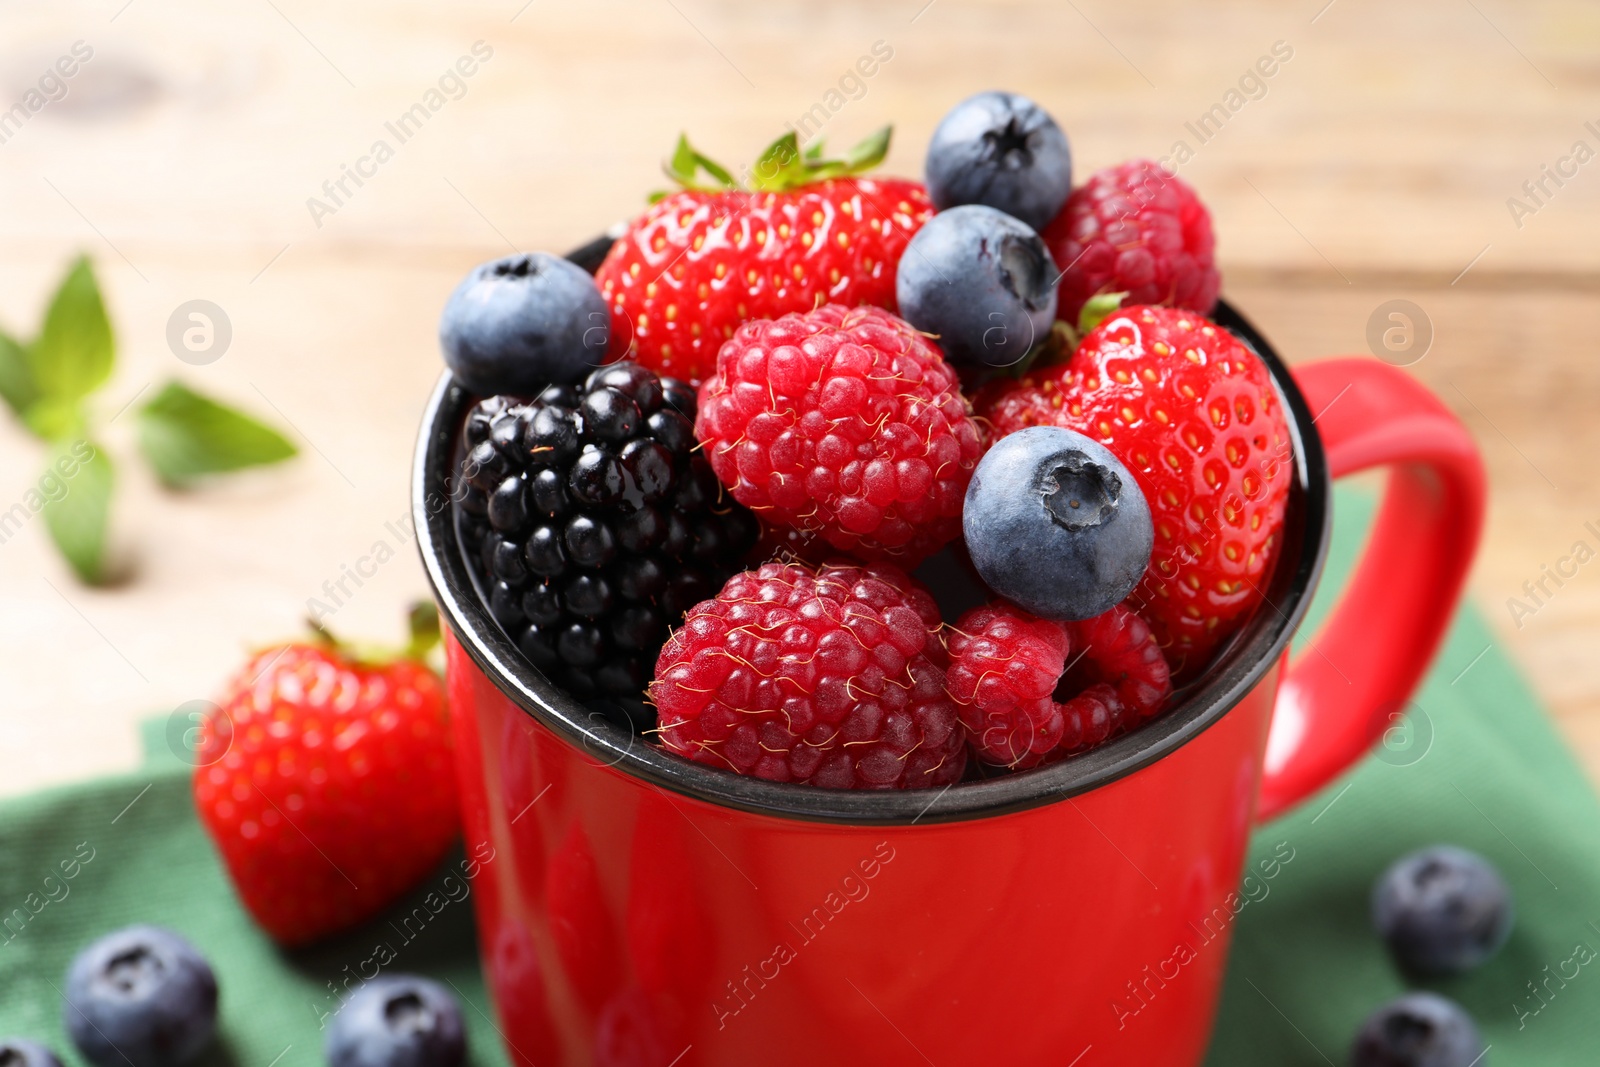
x,y
830,676
1136,229
327,784
844,423
1193,414
1008,668
705,259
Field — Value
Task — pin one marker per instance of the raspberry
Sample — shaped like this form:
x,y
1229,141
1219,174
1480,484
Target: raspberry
x,y
845,423
594,524
1134,228
1007,669
830,676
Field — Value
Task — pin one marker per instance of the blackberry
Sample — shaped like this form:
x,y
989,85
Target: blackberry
x,y
593,523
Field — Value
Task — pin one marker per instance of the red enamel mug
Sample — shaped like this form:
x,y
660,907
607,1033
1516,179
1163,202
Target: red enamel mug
x,y
646,911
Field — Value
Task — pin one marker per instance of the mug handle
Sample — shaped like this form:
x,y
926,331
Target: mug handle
x,y
1348,685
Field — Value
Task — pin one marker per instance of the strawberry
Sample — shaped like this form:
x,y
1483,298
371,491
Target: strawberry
x,y
327,782
1193,414
704,259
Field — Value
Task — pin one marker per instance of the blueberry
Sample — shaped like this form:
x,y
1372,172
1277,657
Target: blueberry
x,y
397,1021
20,1052
1418,1030
1004,151
520,323
1443,910
1055,523
981,281
140,997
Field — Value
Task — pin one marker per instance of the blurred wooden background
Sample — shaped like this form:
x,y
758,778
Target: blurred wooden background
x,y
1375,164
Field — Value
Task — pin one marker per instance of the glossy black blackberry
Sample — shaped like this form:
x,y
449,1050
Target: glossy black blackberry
x,y
593,524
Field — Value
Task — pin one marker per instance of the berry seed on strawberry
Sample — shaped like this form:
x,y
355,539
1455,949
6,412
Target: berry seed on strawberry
x,y
1138,229
594,523
1008,669
1055,523
845,423
1194,415
981,282
709,257
1002,150
329,788
830,676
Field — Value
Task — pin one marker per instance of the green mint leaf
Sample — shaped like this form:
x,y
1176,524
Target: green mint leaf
x,y
52,418
185,436
1097,309
77,504
17,386
74,352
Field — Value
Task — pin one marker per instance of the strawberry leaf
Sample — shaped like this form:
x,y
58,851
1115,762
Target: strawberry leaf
x,y
75,349
869,152
79,516
686,164
783,166
423,623
185,436
1097,309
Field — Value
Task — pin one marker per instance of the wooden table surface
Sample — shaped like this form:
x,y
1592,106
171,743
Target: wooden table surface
x,y
1375,163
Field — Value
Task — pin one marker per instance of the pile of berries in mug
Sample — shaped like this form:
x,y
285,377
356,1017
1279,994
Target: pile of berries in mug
x,y
819,381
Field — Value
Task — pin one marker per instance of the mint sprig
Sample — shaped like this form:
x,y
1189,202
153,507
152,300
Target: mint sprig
x,y
79,518
186,436
48,383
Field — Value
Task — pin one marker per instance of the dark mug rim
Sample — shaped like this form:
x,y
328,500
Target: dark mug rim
x,y
1234,673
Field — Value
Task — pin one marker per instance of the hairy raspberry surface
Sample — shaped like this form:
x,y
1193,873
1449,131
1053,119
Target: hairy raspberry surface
x,y
1137,229
697,264
845,423
830,676
1007,670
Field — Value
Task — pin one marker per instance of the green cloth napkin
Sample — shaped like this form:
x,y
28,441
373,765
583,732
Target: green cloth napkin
x,y
1480,767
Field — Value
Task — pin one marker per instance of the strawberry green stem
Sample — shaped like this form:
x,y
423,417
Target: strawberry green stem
x,y
781,168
